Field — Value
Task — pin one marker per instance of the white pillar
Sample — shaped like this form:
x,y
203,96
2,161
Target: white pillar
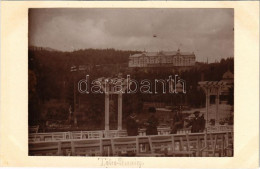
x,y
119,111
106,111
217,105
207,105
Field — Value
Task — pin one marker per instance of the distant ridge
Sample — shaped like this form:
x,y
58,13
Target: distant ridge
x,y
36,48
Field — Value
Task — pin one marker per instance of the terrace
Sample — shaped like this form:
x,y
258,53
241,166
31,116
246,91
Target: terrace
x,y
216,141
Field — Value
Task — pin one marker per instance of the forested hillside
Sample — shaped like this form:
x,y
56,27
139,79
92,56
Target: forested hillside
x,y
51,78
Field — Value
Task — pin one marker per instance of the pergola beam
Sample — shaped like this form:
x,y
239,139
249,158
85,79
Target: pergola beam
x,y
212,88
108,89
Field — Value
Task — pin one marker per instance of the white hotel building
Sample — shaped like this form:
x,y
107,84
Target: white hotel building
x,y
162,59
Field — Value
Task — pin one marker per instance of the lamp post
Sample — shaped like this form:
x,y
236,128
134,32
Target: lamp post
x,y
179,90
73,69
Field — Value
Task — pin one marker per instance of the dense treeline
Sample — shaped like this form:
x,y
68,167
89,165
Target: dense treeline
x,y
51,82
53,68
50,75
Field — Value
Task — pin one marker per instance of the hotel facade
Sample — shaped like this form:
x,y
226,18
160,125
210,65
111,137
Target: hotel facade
x,y
162,59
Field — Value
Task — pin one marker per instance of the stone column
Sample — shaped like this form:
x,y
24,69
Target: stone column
x,y
207,106
106,111
119,111
217,105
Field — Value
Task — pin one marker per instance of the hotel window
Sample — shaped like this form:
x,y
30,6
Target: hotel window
x,y
157,60
169,59
146,60
141,60
136,61
163,59
151,60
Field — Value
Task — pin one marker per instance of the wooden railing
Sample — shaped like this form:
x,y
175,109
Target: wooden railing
x,y
219,128
65,135
189,144
89,134
113,133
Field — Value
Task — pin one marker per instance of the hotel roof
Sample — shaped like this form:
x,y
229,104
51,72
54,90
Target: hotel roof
x,y
165,53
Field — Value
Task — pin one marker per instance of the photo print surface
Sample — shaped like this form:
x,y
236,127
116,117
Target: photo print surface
x,y
131,82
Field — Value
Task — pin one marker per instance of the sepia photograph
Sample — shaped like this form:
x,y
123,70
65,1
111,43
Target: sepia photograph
x,y
131,82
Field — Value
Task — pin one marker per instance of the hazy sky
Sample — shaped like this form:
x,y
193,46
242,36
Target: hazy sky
x,y
206,32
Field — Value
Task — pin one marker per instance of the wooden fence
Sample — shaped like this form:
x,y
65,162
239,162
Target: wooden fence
x,y
113,133
189,144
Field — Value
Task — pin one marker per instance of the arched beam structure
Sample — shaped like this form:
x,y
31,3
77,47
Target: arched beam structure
x,y
113,86
212,88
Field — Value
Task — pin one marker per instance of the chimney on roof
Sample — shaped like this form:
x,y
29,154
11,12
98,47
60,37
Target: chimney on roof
x,y
178,51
